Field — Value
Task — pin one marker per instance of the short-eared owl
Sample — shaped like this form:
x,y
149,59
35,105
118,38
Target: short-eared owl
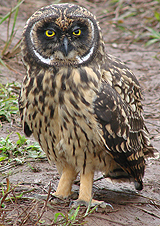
x,y
82,105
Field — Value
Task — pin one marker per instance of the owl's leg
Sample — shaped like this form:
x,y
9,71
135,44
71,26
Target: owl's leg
x,y
65,184
86,182
85,192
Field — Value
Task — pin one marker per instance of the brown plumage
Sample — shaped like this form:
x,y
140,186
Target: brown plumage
x,y
82,105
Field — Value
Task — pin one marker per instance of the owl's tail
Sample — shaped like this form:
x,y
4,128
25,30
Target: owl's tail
x,y
117,174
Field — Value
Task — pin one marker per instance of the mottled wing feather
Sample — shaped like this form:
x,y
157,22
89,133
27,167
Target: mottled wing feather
x,y
124,82
121,131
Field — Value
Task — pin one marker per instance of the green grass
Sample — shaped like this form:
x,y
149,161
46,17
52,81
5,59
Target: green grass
x,y
73,216
6,51
10,193
19,150
22,148
9,101
5,193
154,36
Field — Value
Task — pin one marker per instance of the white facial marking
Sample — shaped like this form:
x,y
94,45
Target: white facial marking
x,y
41,58
38,55
86,57
92,27
49,60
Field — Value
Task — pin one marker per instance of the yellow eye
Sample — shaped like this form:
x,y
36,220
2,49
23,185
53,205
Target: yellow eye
x,y
77,32
50,33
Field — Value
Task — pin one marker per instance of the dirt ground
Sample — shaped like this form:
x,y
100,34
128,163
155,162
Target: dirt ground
x,y
123,36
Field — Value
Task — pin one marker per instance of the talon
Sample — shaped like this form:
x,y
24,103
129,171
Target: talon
x,y
55,199
101,204
76,203
93,203
104,204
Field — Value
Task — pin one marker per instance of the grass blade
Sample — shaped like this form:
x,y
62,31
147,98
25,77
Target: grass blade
x,y
2,62
154,33
152,41
12,11
14,21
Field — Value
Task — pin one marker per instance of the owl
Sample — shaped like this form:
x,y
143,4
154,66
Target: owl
x,y
81,104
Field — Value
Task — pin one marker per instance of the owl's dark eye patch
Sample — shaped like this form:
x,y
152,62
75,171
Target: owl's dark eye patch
x,y
49,31
78,31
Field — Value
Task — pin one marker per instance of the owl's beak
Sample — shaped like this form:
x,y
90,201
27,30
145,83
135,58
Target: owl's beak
x,y
65,48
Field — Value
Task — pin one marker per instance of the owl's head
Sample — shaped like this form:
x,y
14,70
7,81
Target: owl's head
x,y
62,34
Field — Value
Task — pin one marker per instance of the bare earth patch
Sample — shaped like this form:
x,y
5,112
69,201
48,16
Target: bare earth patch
x,y
37,179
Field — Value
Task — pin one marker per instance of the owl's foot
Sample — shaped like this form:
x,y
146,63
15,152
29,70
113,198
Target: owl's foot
x,y
73,195
92,203
58,199
85,192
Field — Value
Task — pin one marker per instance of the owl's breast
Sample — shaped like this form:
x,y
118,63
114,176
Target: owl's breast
x,y
78,128
79,133
59,110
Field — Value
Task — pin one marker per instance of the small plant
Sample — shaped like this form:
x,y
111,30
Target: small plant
x,y
9,100
5,147
5,191
10,194
153,34
20,150
73,217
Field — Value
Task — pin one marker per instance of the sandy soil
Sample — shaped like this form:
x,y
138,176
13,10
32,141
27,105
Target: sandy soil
x,y
120,33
